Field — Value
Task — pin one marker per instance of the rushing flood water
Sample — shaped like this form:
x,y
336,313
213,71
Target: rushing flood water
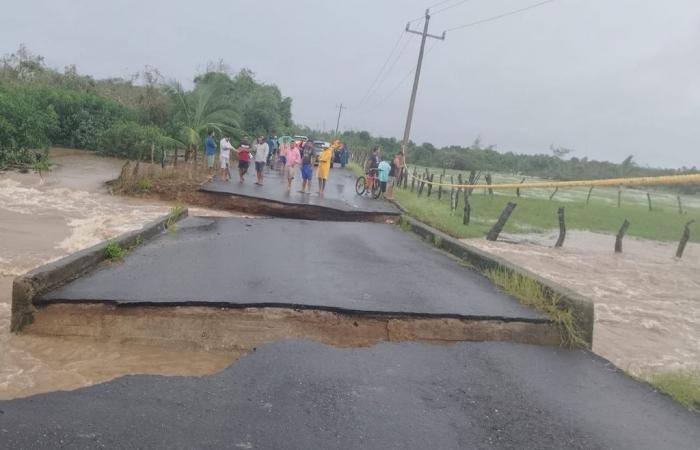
x,y
45,219
647,302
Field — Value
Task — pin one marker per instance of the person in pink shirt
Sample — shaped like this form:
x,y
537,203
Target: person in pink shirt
x,y
293,158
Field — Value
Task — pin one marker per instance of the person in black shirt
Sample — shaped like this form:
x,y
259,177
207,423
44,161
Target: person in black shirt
x,y
374,159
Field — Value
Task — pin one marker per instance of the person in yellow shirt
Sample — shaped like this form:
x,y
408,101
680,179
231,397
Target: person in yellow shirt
x,y
324,165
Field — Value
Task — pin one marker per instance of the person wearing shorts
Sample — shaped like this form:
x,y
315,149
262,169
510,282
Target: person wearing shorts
x,y
307,169
262,149
293,158
210,149
243,159
383,170
282,156
224,158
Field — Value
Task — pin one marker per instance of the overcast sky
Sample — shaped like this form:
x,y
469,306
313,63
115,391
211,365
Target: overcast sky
x,y
608,78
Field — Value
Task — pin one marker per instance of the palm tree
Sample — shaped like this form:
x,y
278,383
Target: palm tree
x,y
206,107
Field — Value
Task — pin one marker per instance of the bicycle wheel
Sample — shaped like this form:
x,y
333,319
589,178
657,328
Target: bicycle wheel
x,y
360,185
376,189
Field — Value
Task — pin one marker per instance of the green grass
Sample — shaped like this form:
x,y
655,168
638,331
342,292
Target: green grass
x,y
175,212
532,294
540,214
683,386
114,251
355,168
662,200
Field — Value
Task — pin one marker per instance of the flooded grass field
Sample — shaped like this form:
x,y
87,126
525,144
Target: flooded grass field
x,y
647,302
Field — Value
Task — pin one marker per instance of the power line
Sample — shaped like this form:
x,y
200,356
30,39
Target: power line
x,y
400,83
439,10
437,4
396,45
448,7
371,93
500,16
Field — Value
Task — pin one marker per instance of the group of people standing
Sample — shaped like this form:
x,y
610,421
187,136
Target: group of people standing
x,y
259,152
289,158
299,156
388,172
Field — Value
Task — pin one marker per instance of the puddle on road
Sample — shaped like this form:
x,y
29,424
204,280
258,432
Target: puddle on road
x,y
647,301
43,220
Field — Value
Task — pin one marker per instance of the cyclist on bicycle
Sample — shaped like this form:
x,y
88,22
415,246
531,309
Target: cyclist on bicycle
x,y
373,161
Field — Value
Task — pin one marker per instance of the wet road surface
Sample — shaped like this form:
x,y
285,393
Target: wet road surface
x,y
300,394
339,195
339,266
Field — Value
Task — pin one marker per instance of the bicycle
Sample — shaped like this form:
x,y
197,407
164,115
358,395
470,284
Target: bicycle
x,y
368,183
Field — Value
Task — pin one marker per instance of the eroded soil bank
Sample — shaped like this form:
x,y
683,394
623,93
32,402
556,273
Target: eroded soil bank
x,y
45,219
647,302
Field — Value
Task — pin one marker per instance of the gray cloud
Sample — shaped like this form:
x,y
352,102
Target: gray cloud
x,y
606,78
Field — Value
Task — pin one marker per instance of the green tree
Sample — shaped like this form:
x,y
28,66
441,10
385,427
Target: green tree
x,y
204,108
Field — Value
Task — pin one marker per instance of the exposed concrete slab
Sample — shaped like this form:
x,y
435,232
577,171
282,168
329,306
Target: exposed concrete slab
x,y
339,195
409,396
30,286
337,266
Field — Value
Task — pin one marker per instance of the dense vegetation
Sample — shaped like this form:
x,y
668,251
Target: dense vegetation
x,y
146,114
41,106
486,158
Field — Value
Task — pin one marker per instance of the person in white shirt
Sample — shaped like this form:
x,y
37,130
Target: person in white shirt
x,y
224,158
261,151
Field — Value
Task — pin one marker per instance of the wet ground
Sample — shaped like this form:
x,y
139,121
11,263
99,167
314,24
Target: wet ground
x,y
647,302
45,219
339,194
338,266
294,394
306,395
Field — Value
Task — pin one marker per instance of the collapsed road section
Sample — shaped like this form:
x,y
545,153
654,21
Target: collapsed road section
x,y
339,202
211,280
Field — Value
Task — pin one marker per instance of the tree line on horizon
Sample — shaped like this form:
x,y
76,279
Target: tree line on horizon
x,y
128,118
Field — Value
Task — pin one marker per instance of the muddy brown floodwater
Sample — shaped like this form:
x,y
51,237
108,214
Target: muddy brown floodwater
x,y
647,302
45,219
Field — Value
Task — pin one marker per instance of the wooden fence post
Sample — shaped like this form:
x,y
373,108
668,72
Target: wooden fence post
x,y
680,206
501,222
442,175
684,239
488,181
467,210
472,180
452,193
619,196
649,200
588,197
620,235
430,184
459,181
413,179
562,228
421,185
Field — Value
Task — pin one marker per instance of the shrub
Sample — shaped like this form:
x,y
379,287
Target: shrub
x,y
131,140
114,251
25,124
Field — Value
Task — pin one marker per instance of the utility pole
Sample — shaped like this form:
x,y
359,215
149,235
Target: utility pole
x,y
424,35
337,124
